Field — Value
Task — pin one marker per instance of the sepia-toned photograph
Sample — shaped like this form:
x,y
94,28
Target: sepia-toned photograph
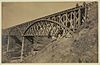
x,y
50,32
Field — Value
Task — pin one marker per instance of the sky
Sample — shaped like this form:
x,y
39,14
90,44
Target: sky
x,y
15,13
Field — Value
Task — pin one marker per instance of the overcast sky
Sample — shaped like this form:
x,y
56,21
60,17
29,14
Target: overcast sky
x,y
19,12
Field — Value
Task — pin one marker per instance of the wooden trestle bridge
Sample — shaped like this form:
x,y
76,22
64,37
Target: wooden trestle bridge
x,y
22,39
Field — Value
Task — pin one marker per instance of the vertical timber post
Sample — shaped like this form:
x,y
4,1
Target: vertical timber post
x,y
8,42
74,21
63,33
79,20
85,17
22,49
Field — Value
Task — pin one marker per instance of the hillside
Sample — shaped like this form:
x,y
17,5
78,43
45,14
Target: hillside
x,y
80,48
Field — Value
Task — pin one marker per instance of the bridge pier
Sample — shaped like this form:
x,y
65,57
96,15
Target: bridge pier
x,y
22,49
8,42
